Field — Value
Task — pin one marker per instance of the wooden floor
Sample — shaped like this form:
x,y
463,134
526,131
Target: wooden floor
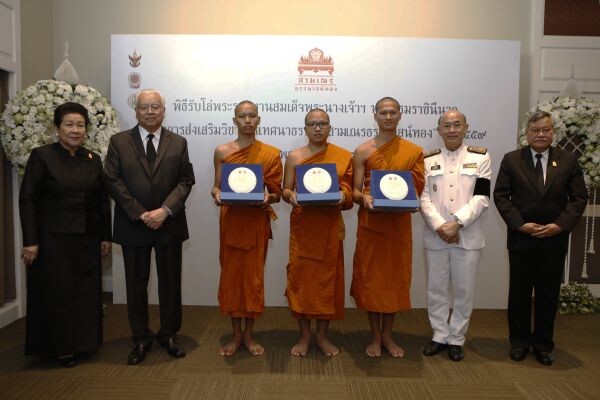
x,y
485,373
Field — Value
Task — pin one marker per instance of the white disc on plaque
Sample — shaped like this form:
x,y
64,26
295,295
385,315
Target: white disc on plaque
x,y
242,180
393,186
317,180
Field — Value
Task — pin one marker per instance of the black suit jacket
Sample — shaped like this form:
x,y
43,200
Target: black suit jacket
x,y
519,200
63,194
136,189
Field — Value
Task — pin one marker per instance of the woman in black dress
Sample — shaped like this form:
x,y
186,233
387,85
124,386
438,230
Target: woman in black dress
x,y
65,218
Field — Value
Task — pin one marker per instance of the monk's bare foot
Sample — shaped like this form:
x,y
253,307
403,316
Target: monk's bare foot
x,y
374,349
392,348
230,348
327,347
254,348
300,349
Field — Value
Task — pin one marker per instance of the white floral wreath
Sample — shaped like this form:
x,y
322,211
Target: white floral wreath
x,y
575,117
27,121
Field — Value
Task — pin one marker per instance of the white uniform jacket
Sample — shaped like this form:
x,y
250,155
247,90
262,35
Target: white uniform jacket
x,y
457,184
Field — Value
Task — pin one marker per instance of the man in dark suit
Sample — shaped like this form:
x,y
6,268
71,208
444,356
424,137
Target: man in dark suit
x,y
540,193
148,173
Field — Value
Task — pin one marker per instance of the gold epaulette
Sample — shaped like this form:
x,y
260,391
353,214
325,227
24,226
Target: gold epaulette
x,y
477,149
432,153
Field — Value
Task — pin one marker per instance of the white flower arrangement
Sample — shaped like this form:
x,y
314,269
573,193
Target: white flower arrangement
x,y
579,117
577,298
27,121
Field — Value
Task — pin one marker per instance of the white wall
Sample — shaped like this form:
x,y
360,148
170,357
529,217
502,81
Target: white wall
x,y
10,60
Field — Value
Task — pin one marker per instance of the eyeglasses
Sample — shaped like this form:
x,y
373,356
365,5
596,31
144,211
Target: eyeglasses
x,y
314,125
151,107
544,131
456,125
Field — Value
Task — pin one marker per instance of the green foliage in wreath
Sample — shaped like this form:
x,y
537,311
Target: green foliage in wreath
x,y
576,298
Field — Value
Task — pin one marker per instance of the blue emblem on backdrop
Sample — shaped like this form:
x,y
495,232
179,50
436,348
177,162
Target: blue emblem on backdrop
x,y
242,183
393,191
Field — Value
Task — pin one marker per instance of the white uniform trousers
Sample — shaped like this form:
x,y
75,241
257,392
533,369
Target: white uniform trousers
x,y
457,267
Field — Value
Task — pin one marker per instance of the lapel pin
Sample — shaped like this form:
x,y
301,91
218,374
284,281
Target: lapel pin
x,y
554,164
90,155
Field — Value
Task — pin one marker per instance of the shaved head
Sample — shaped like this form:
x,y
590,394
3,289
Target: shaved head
x,y
241,103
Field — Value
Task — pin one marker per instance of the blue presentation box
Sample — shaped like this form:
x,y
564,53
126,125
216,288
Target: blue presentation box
x,y
246,197
305,197
409,203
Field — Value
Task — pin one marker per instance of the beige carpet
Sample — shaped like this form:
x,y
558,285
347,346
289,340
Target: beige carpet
x,y
486,372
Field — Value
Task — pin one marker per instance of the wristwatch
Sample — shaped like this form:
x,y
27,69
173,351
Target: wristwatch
x,y
459,221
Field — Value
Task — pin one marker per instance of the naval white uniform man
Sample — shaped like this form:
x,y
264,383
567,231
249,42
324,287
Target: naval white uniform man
x,y
457,192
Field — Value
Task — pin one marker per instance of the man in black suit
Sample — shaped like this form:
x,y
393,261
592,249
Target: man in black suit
x,y
540,193
149,175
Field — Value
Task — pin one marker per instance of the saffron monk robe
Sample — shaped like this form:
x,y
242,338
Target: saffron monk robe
x,y
383,256
245,230
315,272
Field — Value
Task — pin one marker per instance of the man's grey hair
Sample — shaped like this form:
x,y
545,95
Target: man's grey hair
x,y
148,91
536,116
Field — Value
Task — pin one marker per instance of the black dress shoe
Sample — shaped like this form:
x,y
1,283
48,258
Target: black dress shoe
x,y
138,354
172,348
68,361
456,352
432,348
544,357
518,353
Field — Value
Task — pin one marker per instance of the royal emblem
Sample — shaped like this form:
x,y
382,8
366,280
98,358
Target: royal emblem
x,y
315,62
315,72
134,59
134,80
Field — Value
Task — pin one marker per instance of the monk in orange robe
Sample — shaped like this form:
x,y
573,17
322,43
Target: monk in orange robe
x,y
383,255
315,272
245,230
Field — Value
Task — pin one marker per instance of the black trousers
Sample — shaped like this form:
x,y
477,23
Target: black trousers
x,y
540,271
137,273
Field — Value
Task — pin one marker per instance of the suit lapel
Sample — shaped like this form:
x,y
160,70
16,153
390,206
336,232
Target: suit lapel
x,y
138,146
165,140
529,168
551,168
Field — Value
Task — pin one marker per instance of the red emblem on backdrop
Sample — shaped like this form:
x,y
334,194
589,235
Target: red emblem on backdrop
x,y
135,80
315,62
315,73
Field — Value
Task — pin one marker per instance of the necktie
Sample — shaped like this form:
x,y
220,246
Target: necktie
x,y
539,171
150,151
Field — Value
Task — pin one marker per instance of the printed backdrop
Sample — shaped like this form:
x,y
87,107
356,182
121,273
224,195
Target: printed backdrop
x,y
203,77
